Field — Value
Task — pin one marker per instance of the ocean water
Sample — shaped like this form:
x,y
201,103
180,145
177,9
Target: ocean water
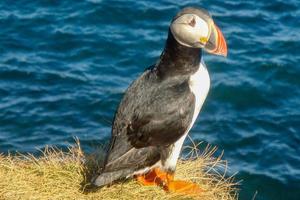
x,y
64,66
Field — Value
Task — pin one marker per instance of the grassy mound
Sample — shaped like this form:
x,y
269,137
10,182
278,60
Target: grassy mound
x,y
65,175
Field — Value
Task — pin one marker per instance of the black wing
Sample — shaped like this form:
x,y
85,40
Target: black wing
x,y
152,113
162,116
160,127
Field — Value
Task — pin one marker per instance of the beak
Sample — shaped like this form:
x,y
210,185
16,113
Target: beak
x,y
216,43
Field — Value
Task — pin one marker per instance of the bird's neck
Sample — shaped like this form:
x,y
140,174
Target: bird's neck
x,y
177,59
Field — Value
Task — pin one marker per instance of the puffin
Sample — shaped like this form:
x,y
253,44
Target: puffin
x,y
160,107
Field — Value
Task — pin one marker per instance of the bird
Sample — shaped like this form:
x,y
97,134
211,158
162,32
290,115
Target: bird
x,y
160,107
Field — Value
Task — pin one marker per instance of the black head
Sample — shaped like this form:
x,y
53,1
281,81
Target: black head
x,y
195,28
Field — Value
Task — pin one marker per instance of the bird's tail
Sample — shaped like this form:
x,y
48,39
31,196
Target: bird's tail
x,y
107,178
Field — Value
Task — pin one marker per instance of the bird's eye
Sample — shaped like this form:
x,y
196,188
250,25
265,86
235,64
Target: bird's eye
x,y
192,22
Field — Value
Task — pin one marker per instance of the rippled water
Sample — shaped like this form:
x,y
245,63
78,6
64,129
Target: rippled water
x,y
64,66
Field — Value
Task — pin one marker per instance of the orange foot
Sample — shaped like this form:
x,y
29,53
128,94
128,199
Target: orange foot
x,y
166,180
179,186
183,187
154,177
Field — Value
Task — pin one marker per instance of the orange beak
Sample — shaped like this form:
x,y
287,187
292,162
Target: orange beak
x,y
216,43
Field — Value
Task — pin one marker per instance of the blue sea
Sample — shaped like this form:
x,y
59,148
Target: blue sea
x,y
64,66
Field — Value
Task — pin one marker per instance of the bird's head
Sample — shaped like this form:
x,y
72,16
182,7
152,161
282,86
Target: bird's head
x,y
195,28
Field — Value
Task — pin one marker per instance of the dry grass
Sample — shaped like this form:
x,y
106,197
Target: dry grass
x,y
64,175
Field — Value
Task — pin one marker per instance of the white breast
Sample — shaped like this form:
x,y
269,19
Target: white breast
x,y
199,84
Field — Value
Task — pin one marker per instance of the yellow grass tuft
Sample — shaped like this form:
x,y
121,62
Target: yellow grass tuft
x,y
65,175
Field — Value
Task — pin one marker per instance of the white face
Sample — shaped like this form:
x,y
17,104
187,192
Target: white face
x,y
190,30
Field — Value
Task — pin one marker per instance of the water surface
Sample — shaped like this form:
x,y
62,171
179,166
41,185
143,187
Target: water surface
x,y
64,66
